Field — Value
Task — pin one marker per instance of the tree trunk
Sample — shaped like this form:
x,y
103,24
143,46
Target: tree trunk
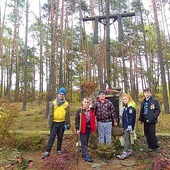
x,y
165,27
1,54
41,58
16,37
51,93
149,77
125,76
25,59
61,46
161,60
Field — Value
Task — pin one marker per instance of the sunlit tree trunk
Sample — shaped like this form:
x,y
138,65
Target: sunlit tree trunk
x,y
41,58
134,91
1,54
165,27
66,49
51,93
61,45
149,77
86,72
125,76
16,37
14,58
100,54
47,49
161,60
70,74
33,72
25,59
9,74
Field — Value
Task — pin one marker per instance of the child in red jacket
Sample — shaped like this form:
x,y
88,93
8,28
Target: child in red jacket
x,y
85,123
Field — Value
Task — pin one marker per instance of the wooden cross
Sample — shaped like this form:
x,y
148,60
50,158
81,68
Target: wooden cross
x,y
98,19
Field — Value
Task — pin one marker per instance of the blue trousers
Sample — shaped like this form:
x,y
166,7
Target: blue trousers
x,y
57,129
105,132
84,138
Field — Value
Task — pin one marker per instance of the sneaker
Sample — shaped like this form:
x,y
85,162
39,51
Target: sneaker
x,y
123,155
45,155
149,150
88,158
157,150
129,152
59,152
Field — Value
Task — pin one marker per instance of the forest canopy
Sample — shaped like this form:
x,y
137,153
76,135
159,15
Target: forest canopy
x,y
44,49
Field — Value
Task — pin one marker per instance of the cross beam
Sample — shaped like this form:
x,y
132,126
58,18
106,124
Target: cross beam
x,y
110,16
117,17
107,24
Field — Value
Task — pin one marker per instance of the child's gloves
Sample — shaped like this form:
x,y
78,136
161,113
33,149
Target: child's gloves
x,y
129,128
65,127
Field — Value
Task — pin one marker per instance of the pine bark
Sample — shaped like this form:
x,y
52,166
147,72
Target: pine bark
x,y
161,61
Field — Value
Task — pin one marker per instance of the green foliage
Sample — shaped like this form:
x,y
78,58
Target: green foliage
x,y
76,97
7,114
105,147
27,142
114,146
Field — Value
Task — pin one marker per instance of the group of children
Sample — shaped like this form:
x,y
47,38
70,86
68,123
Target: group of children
x,y
85,124
101,117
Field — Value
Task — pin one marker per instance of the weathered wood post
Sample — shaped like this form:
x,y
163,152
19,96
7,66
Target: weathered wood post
x,y
107,24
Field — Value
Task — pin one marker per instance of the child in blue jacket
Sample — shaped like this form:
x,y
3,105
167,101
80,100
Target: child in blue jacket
x,y
128,124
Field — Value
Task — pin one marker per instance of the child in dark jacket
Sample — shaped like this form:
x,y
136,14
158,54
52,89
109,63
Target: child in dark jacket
x,y
85,123
149,112
128,124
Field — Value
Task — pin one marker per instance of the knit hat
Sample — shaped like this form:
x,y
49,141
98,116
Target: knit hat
x,y
101,92
62,90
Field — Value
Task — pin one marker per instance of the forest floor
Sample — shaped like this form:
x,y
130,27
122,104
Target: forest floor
x,y
140,160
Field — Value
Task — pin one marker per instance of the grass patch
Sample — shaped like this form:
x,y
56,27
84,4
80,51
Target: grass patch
x,y
28,142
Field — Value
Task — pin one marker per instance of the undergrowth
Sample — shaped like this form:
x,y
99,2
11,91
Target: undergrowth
x,y
154,160
8,112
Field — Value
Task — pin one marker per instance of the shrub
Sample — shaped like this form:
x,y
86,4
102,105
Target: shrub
x,y
161,162
7,114
27,142
88,88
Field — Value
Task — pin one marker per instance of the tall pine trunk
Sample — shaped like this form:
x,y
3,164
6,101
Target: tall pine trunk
x,y
41,58
161,60
25,59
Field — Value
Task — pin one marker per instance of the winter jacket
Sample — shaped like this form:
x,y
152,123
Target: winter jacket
x,y
129,115
53,105
80,121
153,111
105,111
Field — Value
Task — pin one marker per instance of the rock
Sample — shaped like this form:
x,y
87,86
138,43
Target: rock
x,y
128,162
96,166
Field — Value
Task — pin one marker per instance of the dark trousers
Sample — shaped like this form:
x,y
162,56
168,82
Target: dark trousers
x,y
84,138
57,129
150,131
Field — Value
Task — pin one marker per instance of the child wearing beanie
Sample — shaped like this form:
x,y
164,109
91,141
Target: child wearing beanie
x,y
59,121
